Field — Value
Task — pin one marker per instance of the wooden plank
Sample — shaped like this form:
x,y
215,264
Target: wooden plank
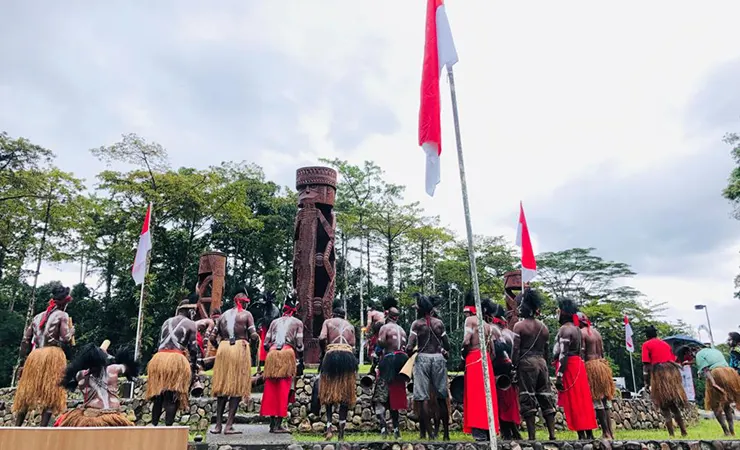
x,y
110,438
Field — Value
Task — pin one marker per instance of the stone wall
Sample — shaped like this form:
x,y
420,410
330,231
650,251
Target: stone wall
x,y
627,414
502,445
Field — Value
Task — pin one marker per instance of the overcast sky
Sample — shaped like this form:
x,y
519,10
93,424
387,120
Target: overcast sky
x,y
605,120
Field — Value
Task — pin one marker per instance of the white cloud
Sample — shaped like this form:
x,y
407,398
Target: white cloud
x,y
546,92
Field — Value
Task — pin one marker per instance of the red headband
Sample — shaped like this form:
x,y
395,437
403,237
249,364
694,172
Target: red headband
x,y
50,307
288,310
499,321
576,322
240,300
470,309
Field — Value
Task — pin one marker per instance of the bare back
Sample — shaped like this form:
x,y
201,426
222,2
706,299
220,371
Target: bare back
x,y
374,317
101,392
234,325
430,337
391,337
56,330
286,330
337,331
593,344
178,333
530,339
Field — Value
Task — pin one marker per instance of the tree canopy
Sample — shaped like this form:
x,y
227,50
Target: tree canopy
x,y
49,216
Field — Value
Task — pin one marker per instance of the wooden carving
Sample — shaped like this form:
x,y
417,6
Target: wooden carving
x,y
211,281
512,283
314,258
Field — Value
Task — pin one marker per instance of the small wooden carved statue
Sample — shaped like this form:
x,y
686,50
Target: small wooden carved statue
x,y
512,283
314,258
211,280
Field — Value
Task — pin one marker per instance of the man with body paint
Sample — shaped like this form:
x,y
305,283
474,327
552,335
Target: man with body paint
x,y
430,367
337,385
390,388
571,379
172,368
284,344
232,371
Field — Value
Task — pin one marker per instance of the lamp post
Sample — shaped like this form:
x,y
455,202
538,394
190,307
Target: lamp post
x,y
709,324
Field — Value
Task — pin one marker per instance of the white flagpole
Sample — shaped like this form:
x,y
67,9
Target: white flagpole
x,y
632,366
137,348
473,267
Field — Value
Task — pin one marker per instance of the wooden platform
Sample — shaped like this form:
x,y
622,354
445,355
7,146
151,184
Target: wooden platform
x,y
113,438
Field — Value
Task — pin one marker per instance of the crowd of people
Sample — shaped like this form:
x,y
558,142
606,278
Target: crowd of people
x,y
517,357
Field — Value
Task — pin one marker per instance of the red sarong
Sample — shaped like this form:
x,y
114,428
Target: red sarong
x,y
397,395
508,405
576,396
276,396
474,401
263,353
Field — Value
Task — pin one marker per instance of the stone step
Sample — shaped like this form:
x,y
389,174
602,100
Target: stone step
x,y
244,419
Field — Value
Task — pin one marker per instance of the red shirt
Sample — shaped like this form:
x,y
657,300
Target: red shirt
x,y
656,351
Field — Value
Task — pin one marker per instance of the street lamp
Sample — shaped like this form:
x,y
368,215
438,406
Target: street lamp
x,y
709,324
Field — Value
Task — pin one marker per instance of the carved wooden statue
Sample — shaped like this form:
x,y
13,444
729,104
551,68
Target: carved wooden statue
x,y
314,259
512,282
211,281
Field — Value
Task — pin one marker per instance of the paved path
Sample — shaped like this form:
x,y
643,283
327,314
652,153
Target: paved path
x,y
251,434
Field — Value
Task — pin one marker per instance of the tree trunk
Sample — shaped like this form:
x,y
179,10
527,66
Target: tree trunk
x,y
343,239
423,277
389,267
32,300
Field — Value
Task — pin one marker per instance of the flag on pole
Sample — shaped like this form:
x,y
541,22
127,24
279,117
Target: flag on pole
x,y
439,51
628,335
529,264
138,271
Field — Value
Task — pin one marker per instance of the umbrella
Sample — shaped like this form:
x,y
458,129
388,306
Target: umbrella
x,y
682,339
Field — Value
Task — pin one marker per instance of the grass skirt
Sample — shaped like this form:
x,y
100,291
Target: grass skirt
x,y
666,386
232,373
600,379
338,378
169,371
280,363
39,386
727,379
93,417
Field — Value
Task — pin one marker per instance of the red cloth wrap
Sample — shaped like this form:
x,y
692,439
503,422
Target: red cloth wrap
x,y
474,401
199,339
397,395
508,405
276,396
263,353
576,398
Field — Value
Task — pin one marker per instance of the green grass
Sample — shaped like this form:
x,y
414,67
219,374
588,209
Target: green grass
x,y
705,430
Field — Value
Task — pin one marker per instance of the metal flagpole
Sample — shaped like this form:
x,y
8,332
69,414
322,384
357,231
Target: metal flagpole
x,y
632,366
473,268
137,347
362,312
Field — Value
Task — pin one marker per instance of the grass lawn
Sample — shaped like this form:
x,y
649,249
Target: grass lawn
x,y
705,430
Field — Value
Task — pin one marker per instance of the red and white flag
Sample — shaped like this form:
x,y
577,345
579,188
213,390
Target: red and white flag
x,y
138,272
529,264
628,335
439,51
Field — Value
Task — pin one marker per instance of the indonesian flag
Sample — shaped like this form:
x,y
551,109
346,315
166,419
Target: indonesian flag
x,y
628,335
439,51
529,264
138,272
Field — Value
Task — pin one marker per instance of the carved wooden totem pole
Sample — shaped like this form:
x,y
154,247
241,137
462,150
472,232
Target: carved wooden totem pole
x,y
211,280
512,282
314,259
